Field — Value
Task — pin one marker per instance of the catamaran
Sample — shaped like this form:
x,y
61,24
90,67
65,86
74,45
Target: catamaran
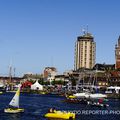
x,y
14,104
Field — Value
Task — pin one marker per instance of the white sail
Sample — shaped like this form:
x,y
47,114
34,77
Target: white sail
x,y
15,100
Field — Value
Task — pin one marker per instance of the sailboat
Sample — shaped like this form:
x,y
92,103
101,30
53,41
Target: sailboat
x,y
84,93
14,104
96,95
88,94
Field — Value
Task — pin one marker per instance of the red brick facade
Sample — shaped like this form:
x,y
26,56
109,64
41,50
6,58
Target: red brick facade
x,y
117,54
117,64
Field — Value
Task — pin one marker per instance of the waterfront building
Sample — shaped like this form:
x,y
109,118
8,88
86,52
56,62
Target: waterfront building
x,y
117,54
68,72
63,78
85,52
50,73
104,67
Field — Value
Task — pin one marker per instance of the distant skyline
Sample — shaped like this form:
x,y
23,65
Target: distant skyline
x,y
35,34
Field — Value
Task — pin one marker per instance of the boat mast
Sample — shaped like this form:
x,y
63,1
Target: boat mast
x,y
10,75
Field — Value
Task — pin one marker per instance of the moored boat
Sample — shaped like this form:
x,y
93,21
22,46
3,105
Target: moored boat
x,y
97,95
81,95
113,92
90,95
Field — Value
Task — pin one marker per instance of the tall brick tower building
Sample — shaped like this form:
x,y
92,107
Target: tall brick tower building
x,y
117,54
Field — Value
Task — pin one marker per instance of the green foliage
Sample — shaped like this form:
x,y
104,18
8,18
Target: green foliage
x,y
32,81
60,82
46,83
33,76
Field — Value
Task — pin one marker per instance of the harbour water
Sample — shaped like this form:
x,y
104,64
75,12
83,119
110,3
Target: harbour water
x,y
36,106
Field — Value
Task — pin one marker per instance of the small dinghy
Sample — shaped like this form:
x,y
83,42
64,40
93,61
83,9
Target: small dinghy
x,y
14,104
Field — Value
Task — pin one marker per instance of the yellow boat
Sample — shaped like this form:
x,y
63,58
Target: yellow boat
x,y
71,96
61,115
12,110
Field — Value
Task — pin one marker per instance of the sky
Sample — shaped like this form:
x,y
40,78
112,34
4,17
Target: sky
x,y
35,34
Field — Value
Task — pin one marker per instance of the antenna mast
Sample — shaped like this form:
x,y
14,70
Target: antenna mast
x,y
87,29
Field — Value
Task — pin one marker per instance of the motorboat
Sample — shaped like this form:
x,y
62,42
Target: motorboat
x,y
60,115
81,95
